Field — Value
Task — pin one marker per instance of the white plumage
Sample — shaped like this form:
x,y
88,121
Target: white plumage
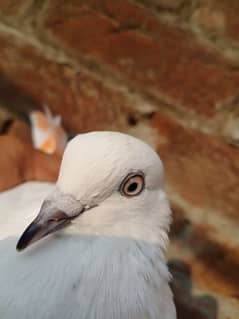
x,y
104,256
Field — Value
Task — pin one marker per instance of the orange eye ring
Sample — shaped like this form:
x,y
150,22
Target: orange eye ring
x,y
132,185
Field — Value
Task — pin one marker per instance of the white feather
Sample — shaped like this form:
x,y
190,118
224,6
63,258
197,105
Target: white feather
x,y
109,263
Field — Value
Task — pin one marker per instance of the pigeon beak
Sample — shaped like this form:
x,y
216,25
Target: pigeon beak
x,y
38,229
48,221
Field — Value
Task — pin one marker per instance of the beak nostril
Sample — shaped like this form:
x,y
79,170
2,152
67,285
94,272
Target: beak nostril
x,y
58,217
42,226
52,220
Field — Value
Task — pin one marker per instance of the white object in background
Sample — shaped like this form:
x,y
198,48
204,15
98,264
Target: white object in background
x,y
47,133
108,219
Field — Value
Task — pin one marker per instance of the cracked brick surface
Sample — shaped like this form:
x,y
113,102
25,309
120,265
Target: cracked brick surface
x,y
168,66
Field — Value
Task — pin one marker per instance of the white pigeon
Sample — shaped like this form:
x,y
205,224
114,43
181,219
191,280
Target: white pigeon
x,y
107,220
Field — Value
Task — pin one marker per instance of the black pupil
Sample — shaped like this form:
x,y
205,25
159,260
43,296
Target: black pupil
x,y
132,187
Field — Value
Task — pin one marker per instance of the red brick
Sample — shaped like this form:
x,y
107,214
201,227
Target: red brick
x,y
220,16
206,251
84,103
126,14
168,63
166,4
21,130
22,163
211,19
14,9
201,168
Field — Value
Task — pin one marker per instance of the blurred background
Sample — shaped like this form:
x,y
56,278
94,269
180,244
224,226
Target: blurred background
x,y
166,71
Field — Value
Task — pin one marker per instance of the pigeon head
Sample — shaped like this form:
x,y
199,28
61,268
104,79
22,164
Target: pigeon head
x,y
110,184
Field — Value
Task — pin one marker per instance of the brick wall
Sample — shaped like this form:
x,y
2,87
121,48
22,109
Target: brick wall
x,y
166,71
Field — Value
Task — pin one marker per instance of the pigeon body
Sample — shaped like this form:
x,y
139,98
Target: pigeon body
x,y
96,248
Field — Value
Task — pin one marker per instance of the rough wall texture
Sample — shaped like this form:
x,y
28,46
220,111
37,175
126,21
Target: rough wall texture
x,y
166,71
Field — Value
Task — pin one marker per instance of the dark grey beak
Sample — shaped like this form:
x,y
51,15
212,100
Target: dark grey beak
x,y
37,230
50,219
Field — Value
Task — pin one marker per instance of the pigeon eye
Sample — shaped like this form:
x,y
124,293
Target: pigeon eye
x,y
132,185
